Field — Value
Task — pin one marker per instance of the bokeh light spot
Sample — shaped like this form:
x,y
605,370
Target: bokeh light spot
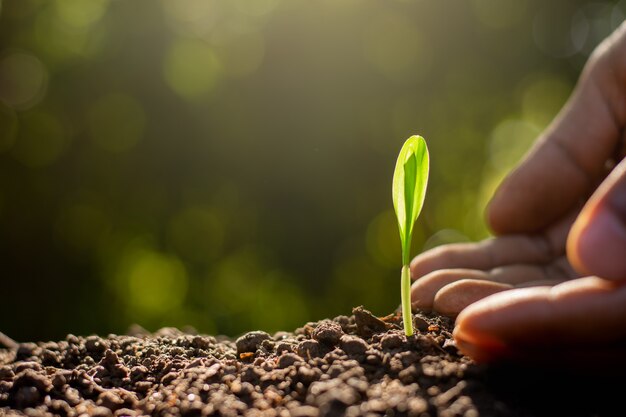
x,y
188,10
79,13
8,127
593,22
240,54
234,280
510,140
394,47
444,237
191,17
580,31
555,31
23,80
197,234
543,97
289,313
116,122
191,68
242,285
42,139
157,282
490,182
60,43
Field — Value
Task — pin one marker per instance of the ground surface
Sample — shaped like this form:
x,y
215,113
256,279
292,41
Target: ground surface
x,y
348,366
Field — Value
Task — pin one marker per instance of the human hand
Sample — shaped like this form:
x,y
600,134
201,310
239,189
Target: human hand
x,y
534,289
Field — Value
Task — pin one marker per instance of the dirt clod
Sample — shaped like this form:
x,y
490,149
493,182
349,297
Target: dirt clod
x,y
251,341
392,340
309,349
328,332
420,323
287,360
367,323
353,345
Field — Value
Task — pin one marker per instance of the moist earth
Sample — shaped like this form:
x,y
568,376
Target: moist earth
x,y
357,365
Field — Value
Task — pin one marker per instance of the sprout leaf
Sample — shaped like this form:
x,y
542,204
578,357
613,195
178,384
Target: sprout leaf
x,y
410,179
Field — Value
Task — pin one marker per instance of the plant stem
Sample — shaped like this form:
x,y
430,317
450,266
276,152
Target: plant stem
x,y
407,317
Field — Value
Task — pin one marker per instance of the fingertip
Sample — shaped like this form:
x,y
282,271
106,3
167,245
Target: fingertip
x,y
428,262
481,329
455,297
415,266
493,215
573,247
596,243
507,212
544,323
421,296
512,208
482,348
425,289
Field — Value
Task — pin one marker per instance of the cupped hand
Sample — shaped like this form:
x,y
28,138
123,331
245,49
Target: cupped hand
x,y
534,290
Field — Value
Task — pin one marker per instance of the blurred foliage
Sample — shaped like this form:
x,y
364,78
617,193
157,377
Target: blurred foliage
x,y
227,164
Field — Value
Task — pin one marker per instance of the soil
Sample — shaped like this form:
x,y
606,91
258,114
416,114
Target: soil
x,y
359,365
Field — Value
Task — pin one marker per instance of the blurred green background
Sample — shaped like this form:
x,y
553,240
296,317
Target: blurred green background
x,y
227,164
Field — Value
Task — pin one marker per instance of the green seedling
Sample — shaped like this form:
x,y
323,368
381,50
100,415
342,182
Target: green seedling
x,y
408,191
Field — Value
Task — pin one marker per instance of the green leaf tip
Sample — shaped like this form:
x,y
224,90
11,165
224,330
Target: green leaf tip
x,y
410,179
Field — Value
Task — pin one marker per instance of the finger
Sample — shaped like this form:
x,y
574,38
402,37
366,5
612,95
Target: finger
x,y
558,270
564,319
568,160
597,242
454,297
428,288
423,290
540,283
492,253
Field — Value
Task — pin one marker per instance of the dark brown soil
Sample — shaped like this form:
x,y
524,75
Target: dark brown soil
x,y
348,366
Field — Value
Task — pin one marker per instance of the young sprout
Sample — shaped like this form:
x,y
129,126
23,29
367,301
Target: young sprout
x,y
409,188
